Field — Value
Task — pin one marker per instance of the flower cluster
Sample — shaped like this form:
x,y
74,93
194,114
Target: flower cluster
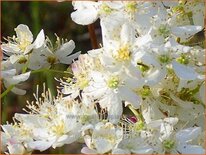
x,y
22,56
142,91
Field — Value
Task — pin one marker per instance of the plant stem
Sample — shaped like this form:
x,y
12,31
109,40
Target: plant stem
x,y
92,35
35,16
7,91
50,70
25,68
33,72
50,83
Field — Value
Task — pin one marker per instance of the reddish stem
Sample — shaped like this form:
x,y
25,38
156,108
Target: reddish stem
x,y
92,35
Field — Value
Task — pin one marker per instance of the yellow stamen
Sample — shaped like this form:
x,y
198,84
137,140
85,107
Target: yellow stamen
x,y
123,54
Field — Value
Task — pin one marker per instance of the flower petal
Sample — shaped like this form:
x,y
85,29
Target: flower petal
x,y
190,149
86,150
184,72
19,78
15,89
130,96
23,33
40,145
7,73
120,151
39,39
115,110
82,18
127,34
16,149
184,32
65,49
69,59
177,47
155,76
188,134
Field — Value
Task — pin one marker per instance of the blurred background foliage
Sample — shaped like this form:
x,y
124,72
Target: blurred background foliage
x,y
54,18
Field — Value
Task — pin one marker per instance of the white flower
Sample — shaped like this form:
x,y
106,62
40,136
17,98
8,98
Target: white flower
x,y
151,69
123,47
184,72
113,14
181,142
191,12
170,141
18,47
80,68
17,138
164,126
119,53
11,77
104,137
94,9
110,89
183,139
163,29
178,57
87,115
40,134
47,56
151,109
54,128
141,13
135,145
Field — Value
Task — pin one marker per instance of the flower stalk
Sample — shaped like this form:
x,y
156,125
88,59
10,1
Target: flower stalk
x,y
93,38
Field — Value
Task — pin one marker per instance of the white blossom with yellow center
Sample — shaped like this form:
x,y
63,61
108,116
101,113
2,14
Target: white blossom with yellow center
x,y
110,89
123,54
20,45
50,55
103,138
17,137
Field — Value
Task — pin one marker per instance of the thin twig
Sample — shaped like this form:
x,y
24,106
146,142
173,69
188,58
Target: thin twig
x,y
7,91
